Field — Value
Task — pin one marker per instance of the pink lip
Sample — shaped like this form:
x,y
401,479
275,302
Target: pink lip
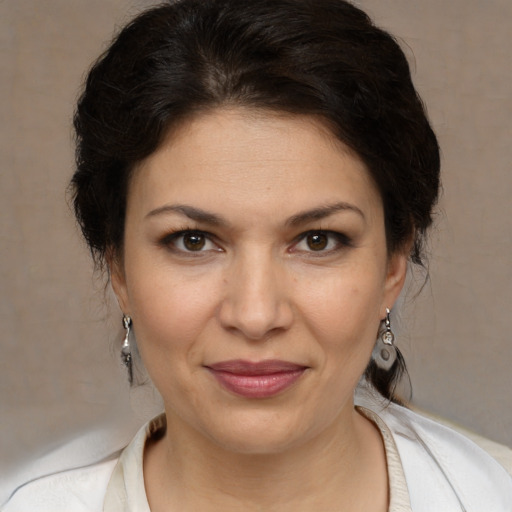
x,y
263,379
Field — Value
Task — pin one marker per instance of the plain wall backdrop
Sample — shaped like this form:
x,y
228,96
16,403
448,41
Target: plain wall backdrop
x,y
59,366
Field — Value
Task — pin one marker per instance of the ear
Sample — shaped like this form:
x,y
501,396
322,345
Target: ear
x,y
118,281
395,279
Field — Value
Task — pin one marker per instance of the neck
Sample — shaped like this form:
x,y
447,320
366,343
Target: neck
x,y
342,467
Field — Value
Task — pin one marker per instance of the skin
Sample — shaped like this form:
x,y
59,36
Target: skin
x,y
258,289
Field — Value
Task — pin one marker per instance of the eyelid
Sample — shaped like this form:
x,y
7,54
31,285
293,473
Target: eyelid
x,y
169,240
342,240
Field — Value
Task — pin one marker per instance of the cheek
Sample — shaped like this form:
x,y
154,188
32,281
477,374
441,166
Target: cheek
x,y
170,311
343,310
170,319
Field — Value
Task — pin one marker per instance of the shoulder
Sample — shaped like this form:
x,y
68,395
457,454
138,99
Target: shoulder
x,y
70,476
436,457
76,476
443,468
501,453
75,490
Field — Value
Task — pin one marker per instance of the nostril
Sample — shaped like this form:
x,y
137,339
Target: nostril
x,y
255,321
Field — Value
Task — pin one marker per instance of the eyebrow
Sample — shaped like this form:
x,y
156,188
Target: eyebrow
x,y
304,217
191,212
322,212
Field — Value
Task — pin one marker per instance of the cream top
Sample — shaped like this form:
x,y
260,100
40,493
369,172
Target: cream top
x,y
430,468
126,491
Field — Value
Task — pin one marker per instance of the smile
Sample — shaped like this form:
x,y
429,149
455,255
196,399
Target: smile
x,y
263,379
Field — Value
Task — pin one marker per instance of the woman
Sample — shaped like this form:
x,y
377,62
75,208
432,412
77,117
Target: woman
x,y
255,176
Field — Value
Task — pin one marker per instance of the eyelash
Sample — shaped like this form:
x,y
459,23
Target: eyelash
x,y
341,241
170,240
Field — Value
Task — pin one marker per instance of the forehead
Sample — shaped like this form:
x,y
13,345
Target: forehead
x,y
254,158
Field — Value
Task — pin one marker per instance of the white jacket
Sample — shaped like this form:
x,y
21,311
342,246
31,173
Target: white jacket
x,y
441,470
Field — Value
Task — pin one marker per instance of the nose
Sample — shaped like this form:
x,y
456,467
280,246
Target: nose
x,y
256,303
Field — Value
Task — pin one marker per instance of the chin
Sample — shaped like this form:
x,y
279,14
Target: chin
x,y
257,433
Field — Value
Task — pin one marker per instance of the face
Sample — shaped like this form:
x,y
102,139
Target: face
x,y
256,273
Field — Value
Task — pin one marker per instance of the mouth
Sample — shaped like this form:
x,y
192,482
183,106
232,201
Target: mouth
x,y
262,379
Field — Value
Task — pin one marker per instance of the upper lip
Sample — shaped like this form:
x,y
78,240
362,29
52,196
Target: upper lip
x,y
265,367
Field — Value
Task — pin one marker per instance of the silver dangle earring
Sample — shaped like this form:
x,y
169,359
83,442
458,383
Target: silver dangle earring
x,y
384,352
126,352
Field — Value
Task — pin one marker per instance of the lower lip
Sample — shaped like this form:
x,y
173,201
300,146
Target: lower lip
x,y
257,386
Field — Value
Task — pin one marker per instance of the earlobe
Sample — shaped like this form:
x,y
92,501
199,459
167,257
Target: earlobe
x,y
118,282
395,278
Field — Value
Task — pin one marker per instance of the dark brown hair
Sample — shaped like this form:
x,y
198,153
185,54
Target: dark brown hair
x,y
311,57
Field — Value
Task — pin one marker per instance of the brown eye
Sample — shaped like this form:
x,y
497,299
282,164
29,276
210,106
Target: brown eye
x,y
188,241
317,241
194,241
320,243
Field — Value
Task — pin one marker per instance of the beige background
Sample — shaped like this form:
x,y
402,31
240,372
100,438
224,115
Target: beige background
x,y
58,371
